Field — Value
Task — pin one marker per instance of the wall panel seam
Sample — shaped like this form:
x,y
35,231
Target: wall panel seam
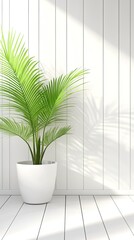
x,y
103,1
66,110
130,99
118,94
2,102
83,102
9,114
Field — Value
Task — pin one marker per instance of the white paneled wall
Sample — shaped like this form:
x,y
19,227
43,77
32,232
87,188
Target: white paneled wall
x,y
124,89
111,94
98,157
5,140
74,59
93,96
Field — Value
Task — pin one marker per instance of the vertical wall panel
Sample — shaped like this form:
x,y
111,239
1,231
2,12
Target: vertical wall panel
x,y
93,108
33,33
124,69
6,113
111,94
75,117
132,94
6,139
47,50
61,69
19,23
1,142
33,42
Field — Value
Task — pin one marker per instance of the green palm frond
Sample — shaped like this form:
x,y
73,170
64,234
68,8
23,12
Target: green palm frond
x,y
54,133
20,78
14,128
55,95
31,100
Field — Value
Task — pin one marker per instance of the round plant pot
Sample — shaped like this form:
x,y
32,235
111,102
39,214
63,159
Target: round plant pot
x,y
36,182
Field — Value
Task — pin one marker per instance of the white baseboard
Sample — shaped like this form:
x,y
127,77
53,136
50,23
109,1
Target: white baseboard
x,y
94,192
77,192
9,192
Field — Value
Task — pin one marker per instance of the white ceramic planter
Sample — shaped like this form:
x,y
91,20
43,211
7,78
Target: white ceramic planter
x,y
36,182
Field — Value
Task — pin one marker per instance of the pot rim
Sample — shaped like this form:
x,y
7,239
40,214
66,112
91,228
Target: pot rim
x,y
30,163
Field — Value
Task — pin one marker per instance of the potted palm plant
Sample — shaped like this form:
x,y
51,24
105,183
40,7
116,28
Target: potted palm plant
x,y
35,104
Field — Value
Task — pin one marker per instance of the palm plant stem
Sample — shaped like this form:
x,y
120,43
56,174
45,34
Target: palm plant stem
x,y
43,152
29,148
33,144
43,137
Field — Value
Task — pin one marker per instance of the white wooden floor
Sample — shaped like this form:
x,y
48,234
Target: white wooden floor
x,y
68,218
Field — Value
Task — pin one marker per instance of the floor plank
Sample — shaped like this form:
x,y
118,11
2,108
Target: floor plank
x,y
74,224
3,199
84,218
8,213
126,207
93,223
53,223
115,224
27,223
132,197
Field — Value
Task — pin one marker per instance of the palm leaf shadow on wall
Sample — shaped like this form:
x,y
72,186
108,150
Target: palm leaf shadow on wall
x,y
93,146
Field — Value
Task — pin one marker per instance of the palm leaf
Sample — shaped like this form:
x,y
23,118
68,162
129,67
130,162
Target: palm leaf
x,y
54,133
10,126
20,79
55,95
